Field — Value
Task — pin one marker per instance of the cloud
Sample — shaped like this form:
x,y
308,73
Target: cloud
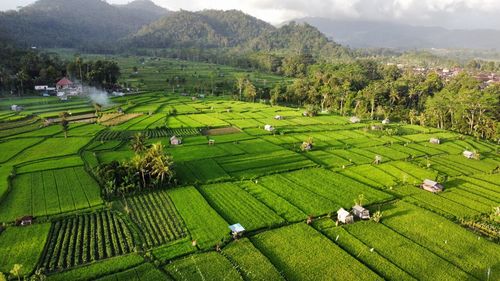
x,y
446,13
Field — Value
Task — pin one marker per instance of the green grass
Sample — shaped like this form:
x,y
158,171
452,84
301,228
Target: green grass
x,y
413,258
98,269
12,147
71,161
237,206
358,249
302,253
50,192
458,246
203,223
22,245
174,249
143,272
206,266
252,263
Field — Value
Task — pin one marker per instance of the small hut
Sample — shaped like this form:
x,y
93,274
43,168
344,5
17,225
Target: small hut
x,y
26,220
469,154
211,142
435,141
376,128
355,119
386,121
278,117
306,146
237,230
432,186
378,159
361,212
344,216
175,140
269,128
16,107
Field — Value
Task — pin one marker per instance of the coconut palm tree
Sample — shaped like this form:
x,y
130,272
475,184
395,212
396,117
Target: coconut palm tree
x,y
64,123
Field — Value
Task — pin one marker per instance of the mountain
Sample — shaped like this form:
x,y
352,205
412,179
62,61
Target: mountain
x,y
231,29
73,23
209,28
371,34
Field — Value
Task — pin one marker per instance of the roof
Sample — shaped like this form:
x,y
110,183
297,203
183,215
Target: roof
x,y
342,212
64,82
358,208
236,228
173,138
468,152
430,182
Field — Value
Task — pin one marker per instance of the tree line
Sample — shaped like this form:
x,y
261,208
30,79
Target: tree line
x,y
367,89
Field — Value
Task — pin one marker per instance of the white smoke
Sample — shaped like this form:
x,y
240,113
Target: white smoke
x,y
97,96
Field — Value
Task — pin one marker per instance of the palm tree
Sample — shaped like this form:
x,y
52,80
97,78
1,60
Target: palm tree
x,y
16,271
139,143
240,83
64,123
22,76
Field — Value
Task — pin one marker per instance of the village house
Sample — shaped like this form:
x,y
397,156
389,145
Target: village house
x,y
344,216
435,141
64,84
175,140
237,230
361,212
432,186
269,128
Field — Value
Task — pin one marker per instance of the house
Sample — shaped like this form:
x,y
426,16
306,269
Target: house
x,y
41,88
386,121
64,84
269,128
354,119
469,154
344,216
361,212
278,117
211,142
237,230
26,220
435,141
175,140
432,186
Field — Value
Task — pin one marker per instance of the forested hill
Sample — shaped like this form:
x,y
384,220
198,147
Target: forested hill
x,y
209,28
73,23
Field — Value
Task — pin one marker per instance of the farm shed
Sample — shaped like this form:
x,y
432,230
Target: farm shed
x,y
26,220
237,230
278,117
386,121
435,141
16,107
361,212
344,216
211,142
306,146
175,140
432,186
376,128
469,154
269,128
354,119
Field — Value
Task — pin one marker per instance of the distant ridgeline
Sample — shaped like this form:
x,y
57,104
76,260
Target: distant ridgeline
x,y
96,26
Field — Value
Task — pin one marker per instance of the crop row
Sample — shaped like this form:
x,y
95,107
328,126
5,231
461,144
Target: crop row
x,y
157,218
84,239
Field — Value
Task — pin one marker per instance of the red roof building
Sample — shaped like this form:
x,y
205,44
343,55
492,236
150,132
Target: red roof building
x,y
64,83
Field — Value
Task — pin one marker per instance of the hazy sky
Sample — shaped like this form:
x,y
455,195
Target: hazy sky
x,y
447,13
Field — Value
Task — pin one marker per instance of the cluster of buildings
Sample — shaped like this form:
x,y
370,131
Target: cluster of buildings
x,y
486,78
64,88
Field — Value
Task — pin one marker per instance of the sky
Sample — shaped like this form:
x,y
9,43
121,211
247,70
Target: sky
x,y
454,14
